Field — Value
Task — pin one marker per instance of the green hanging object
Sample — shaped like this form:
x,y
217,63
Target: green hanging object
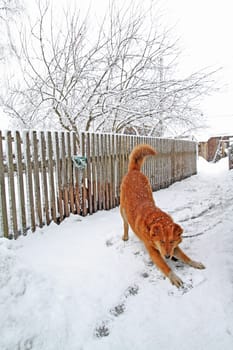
x,y
80,162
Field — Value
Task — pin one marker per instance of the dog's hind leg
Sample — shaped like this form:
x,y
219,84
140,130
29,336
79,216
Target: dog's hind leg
x,y
126,225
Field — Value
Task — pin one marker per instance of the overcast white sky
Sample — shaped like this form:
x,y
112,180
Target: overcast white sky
x,y
204,28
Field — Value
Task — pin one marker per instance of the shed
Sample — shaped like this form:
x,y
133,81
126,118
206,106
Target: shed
x,y
215,147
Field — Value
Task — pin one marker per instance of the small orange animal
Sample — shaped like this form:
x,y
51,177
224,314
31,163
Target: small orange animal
x,y
160,234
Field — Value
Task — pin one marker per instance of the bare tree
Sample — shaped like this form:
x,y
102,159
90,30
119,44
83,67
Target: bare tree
x,y
119,79
9,8
9,11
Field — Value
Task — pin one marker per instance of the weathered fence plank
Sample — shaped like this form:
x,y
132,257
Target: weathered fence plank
x,y
3,207
77,178
64,175
44,171
98,174
11,185
84,182
89,173
70,174
51,177
50,186
58,178
94,173
20,178
28,167
36,174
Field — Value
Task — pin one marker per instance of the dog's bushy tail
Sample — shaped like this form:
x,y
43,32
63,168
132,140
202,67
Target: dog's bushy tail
x,y
137,156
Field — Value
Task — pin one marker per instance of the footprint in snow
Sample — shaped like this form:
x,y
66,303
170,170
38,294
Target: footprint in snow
x,y
192,283
103,328
117,310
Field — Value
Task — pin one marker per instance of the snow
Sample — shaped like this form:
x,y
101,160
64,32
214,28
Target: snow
x,y
78,286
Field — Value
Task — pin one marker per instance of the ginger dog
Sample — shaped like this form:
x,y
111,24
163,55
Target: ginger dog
x,y
160,234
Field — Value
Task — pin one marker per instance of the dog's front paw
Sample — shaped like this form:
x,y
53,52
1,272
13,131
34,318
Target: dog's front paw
x,y
196,264
175,279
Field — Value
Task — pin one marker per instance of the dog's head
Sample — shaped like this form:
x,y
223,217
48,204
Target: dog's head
x,y
165,237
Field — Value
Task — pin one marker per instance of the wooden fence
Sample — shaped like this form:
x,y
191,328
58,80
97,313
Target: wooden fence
x,y
40,183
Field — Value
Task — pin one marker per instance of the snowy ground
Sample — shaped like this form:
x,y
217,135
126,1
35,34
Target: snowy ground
x,y
79,286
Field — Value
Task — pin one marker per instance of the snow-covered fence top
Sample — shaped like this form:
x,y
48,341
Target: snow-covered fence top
x,y
40,182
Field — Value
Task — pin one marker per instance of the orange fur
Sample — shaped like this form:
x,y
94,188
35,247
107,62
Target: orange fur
x,y
153,226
